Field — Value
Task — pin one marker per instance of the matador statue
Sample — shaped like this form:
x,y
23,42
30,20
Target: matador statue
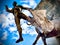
x,y
17,12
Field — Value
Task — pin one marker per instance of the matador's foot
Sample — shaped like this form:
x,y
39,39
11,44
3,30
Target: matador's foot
x,y
19,40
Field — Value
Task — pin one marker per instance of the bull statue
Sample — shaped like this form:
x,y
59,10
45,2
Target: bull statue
x,y
44,27
49,27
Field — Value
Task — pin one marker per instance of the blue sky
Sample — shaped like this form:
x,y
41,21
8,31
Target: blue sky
x,y
8,30
20,2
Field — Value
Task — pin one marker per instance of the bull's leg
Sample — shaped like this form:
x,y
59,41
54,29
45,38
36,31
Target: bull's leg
x,y
44,40
37,38
17,21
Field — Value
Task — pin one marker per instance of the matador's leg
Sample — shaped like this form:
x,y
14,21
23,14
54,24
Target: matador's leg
x,y
23,16
17,21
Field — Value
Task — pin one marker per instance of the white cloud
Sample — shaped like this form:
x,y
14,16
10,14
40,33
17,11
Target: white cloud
x,y
33,32
4,20
31,4
25,5
5,34
12,29
24,1
26,12
27,30
24,26
7,20
10,17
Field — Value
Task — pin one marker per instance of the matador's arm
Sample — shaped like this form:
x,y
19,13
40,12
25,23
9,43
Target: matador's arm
x,y
7,9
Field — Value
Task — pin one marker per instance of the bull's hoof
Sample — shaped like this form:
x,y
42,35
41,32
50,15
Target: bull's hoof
x,y
19,40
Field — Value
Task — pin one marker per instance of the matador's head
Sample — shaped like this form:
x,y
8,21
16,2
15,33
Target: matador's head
x,y
14,3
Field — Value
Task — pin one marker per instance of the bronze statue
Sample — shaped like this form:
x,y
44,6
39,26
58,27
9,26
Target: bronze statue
x,y
17,12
